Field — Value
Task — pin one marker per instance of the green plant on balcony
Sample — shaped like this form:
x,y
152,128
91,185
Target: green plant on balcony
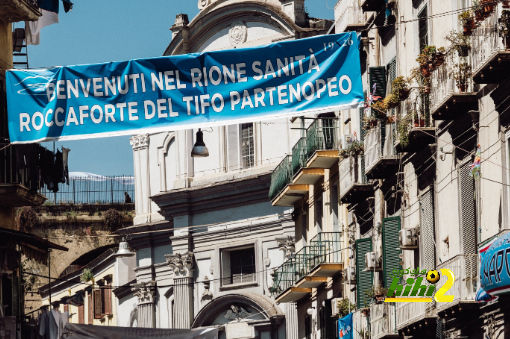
x,y
504,27
462,74
460,43
369,122
364,333
343,153
379,107
425,60
403,128
439,56
344,306
467,21
478,10
400,87
376,293
391,101
355,149
422,80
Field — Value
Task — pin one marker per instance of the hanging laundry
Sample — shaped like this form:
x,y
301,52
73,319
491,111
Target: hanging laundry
x,y
49,10
477,164
58,173
65,157
68,5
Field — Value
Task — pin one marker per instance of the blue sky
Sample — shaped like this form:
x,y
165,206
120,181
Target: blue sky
x,y
113,30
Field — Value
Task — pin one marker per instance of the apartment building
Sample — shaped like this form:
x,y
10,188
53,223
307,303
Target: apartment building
x,y
392,185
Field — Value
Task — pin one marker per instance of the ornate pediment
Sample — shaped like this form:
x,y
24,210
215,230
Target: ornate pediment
x,y
181,264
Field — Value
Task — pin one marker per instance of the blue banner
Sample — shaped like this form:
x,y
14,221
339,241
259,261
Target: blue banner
x,y
494,268
292,78
345,328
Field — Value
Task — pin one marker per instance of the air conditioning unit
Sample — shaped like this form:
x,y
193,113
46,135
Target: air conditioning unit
x,y
370,260
351,274
347,140
334,306
408,238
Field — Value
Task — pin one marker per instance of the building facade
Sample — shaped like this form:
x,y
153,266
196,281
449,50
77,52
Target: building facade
x,y
398,188
206,237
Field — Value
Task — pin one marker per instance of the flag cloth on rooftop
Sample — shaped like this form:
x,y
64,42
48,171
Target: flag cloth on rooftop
x,y
291,78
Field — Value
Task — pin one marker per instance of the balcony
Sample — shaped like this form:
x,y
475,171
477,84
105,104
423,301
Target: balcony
x,y
490,56
308,268
382,321
349,16
281,191
19,10
416,318
310,156
415,126
380,154
448,101
354,186
465,270
372,5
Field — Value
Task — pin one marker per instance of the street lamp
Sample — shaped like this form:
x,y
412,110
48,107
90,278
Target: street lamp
x,y
124,250
200,150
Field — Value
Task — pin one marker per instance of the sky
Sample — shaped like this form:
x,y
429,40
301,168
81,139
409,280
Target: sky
x,y
98,31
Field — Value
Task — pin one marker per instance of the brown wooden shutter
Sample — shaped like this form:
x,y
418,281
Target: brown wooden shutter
x,y
108,299
90,309
97,304
81,314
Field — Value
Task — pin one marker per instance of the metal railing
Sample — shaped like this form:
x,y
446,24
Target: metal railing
x,y
382,320
378,144
93,190
442,79
485,40
408,313
281,177
352,171
349,13
324,248
10,173
465,270
322,134
360,324
299,155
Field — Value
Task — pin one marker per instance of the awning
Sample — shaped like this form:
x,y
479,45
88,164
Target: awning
x,y
32,246
76,331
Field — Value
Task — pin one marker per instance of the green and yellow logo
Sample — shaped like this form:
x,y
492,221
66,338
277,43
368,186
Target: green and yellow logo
x,y
416,290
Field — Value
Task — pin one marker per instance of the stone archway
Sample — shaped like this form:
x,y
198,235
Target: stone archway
x,y
250,306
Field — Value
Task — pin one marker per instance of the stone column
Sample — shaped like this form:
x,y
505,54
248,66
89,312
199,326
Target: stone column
x,y
140,145
182,264
291,320
146,293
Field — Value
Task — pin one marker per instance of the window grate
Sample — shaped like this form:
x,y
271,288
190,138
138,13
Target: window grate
x,y
247,145
242,266
423,29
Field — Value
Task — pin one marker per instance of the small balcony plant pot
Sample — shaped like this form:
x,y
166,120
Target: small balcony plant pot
x,y
462,88
425,71
365,312
432,65
479,15
379,298
438,59
426,89
463,50
404,94
419,123
488,7
506,4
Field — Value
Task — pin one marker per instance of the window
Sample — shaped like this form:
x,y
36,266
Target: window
x,y
423,28
238,266
318,214
106,300
81,314
247,147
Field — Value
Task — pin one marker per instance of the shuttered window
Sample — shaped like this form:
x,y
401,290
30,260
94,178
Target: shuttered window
x,y
391,248
328,323
378,77
233,147
363,279
427,230
81,314
90,308
467,212
247,145
98,312
107,300
423,28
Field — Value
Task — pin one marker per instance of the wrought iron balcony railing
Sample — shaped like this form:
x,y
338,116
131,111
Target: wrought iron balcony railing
x,y
299,155
379,145
323,248
443,82
322,135
281,177
349,15
465,270
486,42
352,173
410,312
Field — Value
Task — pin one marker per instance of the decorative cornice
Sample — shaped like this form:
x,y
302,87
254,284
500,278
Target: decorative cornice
x,y
139,141
145,291
181,264
287,245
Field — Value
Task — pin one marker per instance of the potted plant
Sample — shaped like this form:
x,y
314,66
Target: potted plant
x,y
343,153
380,107
356,148
425,58
468,22
400,87
479,12
369,122
344,306
461,74
506,3
391,101
460,43
403,127
488,7
377,293
504,27
439,56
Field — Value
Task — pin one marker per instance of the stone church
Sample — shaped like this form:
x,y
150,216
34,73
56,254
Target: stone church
x,y
205,234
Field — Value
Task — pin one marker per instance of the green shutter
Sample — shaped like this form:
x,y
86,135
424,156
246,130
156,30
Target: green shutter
x,y
378,76
391,248
363,279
